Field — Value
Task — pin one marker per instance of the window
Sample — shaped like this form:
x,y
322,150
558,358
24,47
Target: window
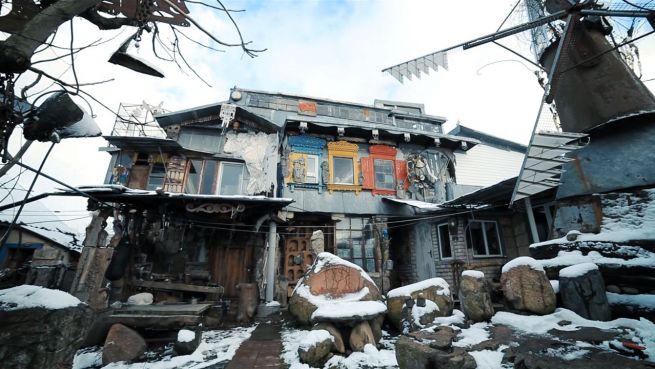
x,y
312,169
384,174
483,238
156,178
445,249
231,179
342,166
355,242
344,171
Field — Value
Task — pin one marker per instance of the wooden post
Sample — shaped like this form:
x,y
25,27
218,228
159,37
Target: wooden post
x,y
89,277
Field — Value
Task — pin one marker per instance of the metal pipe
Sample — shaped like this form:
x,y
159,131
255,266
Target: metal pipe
x,y
533,224
270,264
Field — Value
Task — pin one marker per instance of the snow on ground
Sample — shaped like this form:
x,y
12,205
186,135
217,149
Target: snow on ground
x,y
419,311
567,353
489,359
385,357
28,296
406,291
475,334
215,347
313,337
642,330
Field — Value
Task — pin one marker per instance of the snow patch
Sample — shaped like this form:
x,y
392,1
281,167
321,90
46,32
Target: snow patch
x,y
489,359
577,270
567,258
185,335
567,353
523,260
419,311
555,285
406,291
473,273
273,303
28,296
475,334
318,300
315,337
641,301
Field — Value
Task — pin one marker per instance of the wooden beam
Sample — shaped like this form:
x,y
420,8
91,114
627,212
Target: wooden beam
x,y
176,286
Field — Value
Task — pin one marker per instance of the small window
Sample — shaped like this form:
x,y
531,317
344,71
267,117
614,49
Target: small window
x,y
344,170
483,238
312,169
384,174
156,178
231,179
355,242
445,249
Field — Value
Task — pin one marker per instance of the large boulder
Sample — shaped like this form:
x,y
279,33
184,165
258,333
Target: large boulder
x,y
360,336
583,291
122,344
330,280
412,354
338,345
526,286
474,296
315,347
40,327
434,289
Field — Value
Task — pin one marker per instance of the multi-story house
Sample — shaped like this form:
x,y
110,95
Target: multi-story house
x,y
247,190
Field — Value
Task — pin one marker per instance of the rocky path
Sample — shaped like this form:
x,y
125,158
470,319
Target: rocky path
x,y
262,350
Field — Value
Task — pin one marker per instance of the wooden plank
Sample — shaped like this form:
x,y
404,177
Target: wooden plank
x,y
175,286
172,309
154,321
231,266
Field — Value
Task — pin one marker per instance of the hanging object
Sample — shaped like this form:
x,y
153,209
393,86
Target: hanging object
x,y
124,59
58,117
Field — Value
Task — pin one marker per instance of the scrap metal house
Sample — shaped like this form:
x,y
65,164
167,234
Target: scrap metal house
x,y
248,190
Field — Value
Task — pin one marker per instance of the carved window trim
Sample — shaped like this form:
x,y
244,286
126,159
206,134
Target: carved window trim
x,y
343,149
383,152
305,146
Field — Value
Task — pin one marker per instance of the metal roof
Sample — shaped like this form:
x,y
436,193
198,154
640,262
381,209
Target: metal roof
x,y
488,139
542,164
197,113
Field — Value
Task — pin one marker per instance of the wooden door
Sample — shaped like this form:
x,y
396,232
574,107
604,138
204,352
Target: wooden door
x,y
230,266
139,177
297,259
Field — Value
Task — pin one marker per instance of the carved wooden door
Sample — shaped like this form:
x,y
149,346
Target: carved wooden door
x,y
297,259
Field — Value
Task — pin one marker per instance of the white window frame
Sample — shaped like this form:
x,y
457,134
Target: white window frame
x,y
220,176
452,254
313,172
484,237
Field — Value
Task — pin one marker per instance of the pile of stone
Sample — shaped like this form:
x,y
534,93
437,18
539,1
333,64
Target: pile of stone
x,y
343,306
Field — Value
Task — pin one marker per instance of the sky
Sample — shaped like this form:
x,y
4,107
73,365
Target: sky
x,y
331,49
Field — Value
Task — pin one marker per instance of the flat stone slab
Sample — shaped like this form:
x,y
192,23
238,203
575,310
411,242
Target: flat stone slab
x,y
349,311
169,309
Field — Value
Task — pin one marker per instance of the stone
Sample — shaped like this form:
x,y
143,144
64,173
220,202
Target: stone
x,y
434,289
376,327
317,242
38,338
629,291
528,289
315,354
474,298
584,294
187,342
144,298
338,345
328,280
360,336
122,344
586,334
411,354
248,299
613,288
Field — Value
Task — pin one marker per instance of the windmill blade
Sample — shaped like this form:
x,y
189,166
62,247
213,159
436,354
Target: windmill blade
x,y
414,67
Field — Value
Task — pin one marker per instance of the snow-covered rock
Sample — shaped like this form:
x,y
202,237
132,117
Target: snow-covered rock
x,y
331,281
583,291
144,298
526,286
474,296
435,290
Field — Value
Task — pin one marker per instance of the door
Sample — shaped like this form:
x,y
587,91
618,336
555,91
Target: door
x,y
297,259
424,255
230,266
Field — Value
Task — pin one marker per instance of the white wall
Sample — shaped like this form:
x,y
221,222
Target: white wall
x,y
485,165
